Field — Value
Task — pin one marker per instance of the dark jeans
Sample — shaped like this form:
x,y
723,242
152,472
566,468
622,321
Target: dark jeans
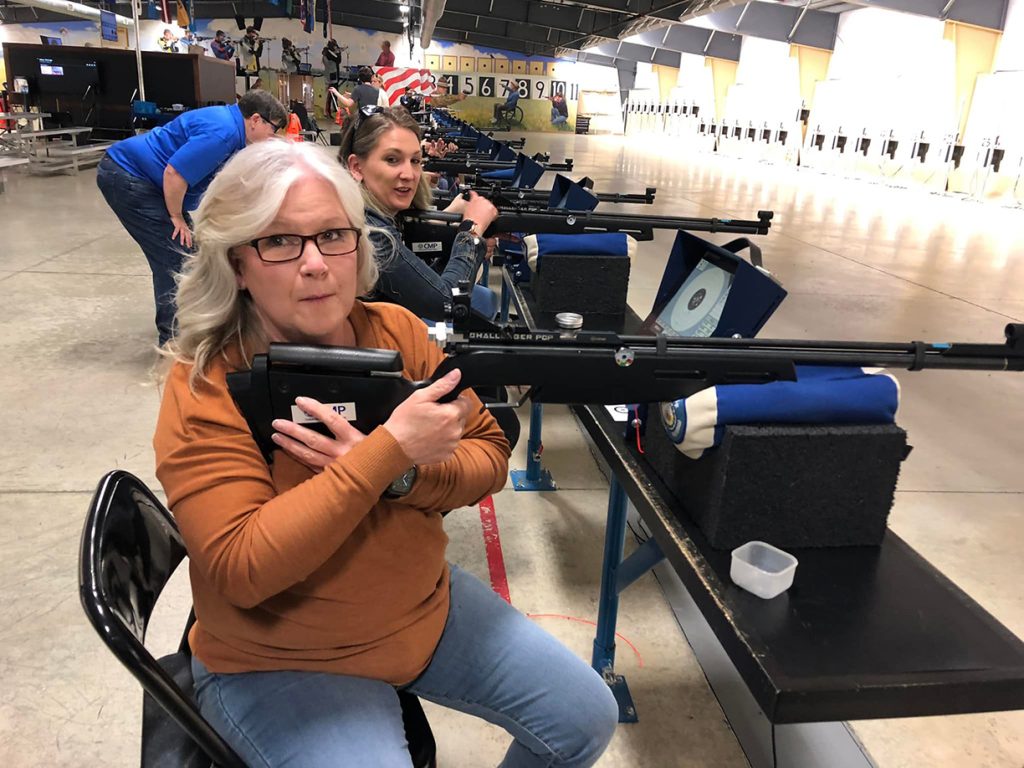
x,y
139,204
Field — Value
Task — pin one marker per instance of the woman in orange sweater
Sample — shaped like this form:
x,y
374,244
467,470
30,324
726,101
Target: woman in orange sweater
x,y
320,582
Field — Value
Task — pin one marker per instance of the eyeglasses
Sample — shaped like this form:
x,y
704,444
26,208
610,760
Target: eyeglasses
x,y
277,128
276,249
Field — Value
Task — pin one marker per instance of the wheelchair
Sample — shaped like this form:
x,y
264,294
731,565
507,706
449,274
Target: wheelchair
x,y
510,118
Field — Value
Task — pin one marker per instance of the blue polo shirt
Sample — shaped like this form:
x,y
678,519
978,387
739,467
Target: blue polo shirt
x,y
196,143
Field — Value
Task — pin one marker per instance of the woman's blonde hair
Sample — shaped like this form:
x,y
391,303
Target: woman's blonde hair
x,y
241,201
361,138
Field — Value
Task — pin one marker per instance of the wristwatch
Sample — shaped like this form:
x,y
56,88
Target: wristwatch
x,y
468,225
401,485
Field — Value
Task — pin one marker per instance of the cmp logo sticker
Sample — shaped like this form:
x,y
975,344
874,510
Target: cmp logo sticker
x,y
427,247
346,410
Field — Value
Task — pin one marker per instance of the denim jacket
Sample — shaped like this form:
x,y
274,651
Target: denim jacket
x,y
405,278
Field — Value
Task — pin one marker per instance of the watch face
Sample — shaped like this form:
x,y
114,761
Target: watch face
x,y
403,484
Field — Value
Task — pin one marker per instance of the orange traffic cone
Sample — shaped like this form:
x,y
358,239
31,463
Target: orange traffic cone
x,y
294,130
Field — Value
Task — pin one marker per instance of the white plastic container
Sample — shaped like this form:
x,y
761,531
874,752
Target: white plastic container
x,y
760,568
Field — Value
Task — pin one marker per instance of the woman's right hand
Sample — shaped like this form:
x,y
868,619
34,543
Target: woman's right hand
x,y
481,210
429,431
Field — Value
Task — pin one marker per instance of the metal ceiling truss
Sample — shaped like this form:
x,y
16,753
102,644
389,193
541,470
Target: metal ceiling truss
x,y
593,30
379,15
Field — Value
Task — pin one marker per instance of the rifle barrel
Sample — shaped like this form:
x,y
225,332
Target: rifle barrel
x,y
570,222
914,355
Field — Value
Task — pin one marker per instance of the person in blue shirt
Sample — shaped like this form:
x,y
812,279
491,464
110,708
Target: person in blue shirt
x,y
153,180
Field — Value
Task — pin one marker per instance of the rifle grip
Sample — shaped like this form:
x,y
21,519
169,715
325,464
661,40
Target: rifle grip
x,y
447,366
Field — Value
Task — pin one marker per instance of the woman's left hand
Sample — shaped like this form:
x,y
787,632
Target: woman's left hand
x,y
311,448
457,205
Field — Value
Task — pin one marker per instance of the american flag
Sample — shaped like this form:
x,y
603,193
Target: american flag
x,y
398,80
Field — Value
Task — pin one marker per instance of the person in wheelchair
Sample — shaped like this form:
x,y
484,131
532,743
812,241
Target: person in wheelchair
x,y
504,112
382,150
320,582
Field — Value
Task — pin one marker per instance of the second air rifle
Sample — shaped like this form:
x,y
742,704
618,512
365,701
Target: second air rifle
x,y
536,221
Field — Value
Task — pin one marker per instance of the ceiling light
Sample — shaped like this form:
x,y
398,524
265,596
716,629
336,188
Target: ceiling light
x,y
403,8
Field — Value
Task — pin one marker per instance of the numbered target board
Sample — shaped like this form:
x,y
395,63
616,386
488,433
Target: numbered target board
x,y
497,86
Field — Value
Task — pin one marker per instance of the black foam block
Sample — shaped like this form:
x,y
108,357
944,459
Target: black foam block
x,y
789,485
587,284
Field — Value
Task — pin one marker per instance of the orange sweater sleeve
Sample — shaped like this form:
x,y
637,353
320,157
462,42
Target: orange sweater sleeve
x,y
251,541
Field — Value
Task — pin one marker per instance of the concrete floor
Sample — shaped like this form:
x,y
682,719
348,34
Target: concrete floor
x,y
859,261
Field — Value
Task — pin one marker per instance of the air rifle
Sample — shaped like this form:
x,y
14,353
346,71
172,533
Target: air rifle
x,y
470,142
537,221
475,165
365,385
534,196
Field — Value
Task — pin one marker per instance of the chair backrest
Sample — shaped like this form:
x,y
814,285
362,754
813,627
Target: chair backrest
x,y
130,547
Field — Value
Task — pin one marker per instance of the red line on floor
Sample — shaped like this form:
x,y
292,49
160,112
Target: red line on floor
x,y
492,544
623,638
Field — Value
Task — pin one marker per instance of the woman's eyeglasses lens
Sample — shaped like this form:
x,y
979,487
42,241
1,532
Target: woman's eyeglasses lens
x,y
331,242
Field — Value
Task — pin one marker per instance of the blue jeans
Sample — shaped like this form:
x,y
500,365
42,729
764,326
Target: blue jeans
x,y
491,662
557,118
139,205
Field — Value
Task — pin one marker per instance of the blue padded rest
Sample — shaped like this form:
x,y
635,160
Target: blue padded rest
x,y
502,173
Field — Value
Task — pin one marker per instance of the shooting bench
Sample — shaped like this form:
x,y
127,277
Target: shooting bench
x,y
863,633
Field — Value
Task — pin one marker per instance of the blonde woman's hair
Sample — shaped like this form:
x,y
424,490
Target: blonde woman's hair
x,y
241,201
362,137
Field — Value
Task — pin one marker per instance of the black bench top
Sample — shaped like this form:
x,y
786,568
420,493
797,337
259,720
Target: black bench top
x,y
864,632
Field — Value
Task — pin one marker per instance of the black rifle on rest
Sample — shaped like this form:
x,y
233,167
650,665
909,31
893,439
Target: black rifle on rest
x,y
537,221
467,143
491,190
470,165
366,385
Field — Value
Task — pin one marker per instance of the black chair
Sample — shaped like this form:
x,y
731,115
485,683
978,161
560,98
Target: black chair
x,y
130,547
308,123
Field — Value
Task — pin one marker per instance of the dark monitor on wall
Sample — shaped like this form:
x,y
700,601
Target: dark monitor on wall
x,y
47,40
71,77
